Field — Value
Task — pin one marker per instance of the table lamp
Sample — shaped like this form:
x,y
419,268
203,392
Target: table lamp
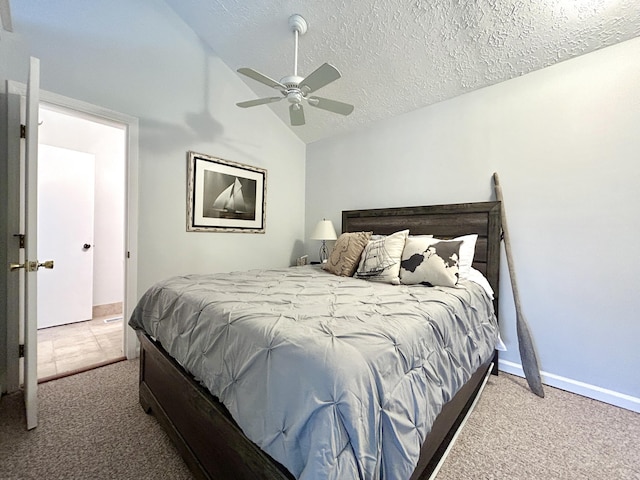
x,y
324,231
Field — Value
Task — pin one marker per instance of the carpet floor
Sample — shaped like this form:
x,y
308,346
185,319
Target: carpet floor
x,y
92,427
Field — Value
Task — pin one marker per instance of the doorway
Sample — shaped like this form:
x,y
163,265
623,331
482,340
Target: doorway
x,y
81,224
16,313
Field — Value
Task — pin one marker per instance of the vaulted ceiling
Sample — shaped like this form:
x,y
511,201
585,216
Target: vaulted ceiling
x,y
400,55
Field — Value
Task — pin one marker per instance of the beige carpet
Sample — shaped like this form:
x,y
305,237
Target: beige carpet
x,y
91,427
513,434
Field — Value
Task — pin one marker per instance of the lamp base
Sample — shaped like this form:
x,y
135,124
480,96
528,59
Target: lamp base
x,y
324,252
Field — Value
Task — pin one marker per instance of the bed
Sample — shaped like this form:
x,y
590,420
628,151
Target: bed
x,y
214,440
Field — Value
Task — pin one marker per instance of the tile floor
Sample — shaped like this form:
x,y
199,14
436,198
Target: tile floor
x,y
78,345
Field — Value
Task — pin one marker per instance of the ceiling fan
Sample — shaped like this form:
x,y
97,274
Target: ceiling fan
x,y
297,89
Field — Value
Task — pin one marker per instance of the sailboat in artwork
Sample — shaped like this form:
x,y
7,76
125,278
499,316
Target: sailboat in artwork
x,y
231,199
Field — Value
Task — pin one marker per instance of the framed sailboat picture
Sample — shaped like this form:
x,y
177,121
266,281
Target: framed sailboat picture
x,y
225,196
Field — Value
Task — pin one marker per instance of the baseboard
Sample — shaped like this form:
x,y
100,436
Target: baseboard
x,y
107,309
591,391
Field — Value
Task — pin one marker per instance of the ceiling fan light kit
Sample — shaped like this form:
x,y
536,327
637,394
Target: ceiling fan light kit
x,y
296,89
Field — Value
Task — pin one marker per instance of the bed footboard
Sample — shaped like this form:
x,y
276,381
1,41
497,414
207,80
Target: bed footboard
x,y
214,447
448,422
211,443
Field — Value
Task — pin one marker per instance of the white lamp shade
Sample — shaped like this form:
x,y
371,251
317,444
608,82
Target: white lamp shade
x,y
324,231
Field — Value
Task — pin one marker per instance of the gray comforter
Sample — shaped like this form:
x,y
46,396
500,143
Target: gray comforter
x,y
334,377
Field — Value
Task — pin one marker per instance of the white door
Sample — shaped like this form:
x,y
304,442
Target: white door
x,y
31,264
66,187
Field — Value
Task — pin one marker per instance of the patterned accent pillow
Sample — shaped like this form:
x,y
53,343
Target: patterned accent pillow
x,y
380,260
345,255
430,261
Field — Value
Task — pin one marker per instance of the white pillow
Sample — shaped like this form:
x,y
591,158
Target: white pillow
x,y
477,277
380,260
467,251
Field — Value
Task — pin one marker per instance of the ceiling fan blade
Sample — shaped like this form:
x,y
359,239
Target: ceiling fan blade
x,y
259,77
330,105
321,76
5,16
296,114
259,101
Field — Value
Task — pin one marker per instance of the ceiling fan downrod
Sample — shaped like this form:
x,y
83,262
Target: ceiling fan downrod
x,y
299,26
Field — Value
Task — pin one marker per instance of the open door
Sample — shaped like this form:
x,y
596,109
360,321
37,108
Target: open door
x,y
30,266
31,247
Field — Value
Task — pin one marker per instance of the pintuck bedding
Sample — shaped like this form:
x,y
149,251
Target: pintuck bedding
x,y
334,377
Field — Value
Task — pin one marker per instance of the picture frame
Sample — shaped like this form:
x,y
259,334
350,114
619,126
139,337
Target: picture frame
x,y
225,196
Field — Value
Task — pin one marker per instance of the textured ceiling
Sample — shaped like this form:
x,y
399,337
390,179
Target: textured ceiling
x,y
399,55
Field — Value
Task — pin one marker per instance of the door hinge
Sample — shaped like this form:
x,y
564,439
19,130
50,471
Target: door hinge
x,y
21,350
23,131
128,254
20,239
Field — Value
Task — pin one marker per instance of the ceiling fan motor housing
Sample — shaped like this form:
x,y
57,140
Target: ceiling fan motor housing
x,y
291,81
293,93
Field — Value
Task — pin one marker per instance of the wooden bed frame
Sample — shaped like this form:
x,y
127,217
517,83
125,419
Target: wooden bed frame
x,y
209,440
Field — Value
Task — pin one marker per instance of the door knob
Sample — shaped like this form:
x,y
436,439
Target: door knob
x,y
31,266
86,246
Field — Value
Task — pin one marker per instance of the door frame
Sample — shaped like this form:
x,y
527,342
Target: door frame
x,y
15,90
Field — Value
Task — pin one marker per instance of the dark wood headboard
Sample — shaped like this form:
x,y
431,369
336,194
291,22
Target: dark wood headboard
x,y
442,221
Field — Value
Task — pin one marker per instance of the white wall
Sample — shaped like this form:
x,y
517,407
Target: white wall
x,y
140,59
107,144
566,143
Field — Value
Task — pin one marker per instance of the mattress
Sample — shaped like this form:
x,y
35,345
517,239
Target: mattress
x,y
334,377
